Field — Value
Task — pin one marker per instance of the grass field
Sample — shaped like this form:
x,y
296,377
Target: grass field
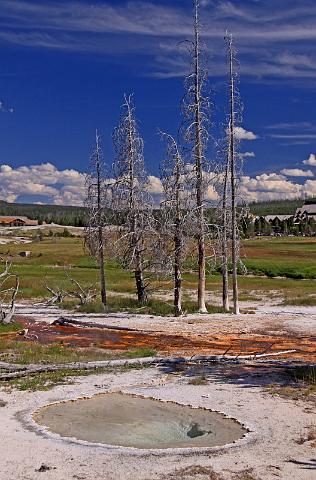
x,y
292,257
267,259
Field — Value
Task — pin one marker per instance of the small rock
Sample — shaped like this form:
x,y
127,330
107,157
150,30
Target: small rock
x,y
44,468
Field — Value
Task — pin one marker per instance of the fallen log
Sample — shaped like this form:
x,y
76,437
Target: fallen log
x,y
12,367
64,321
33,369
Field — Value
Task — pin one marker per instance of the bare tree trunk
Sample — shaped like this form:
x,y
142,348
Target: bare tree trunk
x,y
100,229
173,206
101,267
6,317
199,167
139,278
232,159
178,249
177,271
96,196
224,241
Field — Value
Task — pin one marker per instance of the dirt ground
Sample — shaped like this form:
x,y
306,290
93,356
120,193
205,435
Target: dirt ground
x,y
271,449
278,443
269,330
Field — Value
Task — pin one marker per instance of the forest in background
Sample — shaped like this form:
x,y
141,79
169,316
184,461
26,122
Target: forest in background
x,y
75,216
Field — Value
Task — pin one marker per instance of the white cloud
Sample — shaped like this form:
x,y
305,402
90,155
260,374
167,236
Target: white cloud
x,y
296,172
154,185
309,188
211,193
311,160
298,136
243,134
46,184
272,186
271,38
247,155
44,180
291,126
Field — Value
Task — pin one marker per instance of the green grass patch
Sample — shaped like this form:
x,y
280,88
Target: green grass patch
x,y
10,327
281,257
305,374
245,297
27,353
139,353
153,307
277,263
47,380
301,301
302,384
275,268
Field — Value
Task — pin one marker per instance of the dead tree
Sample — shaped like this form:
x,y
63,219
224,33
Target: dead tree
x,y
224,235
232,158
196,108
58,295
173,209
97,187
7,307
83,294
131,203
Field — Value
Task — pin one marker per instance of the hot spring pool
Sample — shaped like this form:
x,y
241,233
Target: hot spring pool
x,y
132,421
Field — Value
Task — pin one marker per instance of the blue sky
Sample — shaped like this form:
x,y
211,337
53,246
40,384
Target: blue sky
x,y
65,66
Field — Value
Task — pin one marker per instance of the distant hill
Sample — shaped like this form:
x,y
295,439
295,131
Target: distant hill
x,y
63,215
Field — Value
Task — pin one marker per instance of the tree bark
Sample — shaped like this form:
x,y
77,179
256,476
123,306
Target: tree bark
x,y
101,267
199,169
232,157
139,278
177,271
224,243
100,229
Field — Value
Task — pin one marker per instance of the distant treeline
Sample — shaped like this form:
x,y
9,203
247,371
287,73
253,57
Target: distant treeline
x,y
275,207
75,216
62,215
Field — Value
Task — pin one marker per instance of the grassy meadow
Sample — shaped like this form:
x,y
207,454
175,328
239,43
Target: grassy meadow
x,y
291,257
285,266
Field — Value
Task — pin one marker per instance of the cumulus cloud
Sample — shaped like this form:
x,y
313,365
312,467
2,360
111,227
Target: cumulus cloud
x,y
44,183
59,187
154,185
211,193
311,160
296,172
309,188
243,134
272,186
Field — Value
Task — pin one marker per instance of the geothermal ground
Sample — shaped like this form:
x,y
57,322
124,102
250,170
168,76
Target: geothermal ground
x,y
281,438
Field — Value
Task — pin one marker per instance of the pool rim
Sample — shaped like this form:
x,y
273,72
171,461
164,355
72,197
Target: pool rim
x,y
27,418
